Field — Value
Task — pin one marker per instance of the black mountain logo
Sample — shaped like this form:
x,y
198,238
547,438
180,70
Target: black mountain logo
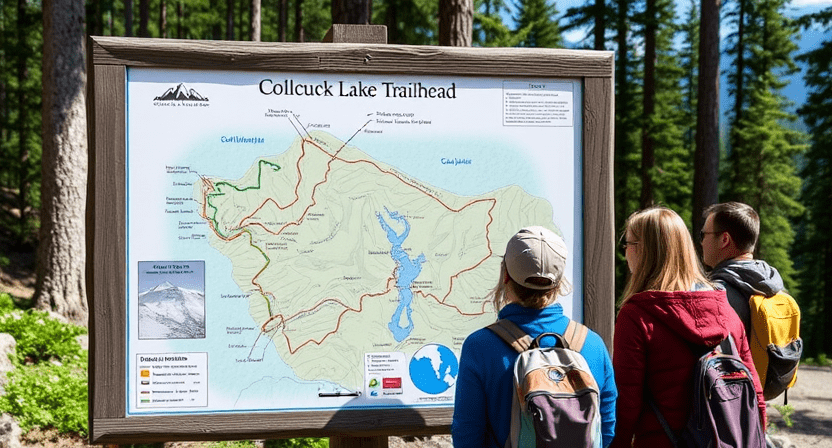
x,y
180,93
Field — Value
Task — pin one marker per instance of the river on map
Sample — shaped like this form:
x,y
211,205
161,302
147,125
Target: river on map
x,y
406,271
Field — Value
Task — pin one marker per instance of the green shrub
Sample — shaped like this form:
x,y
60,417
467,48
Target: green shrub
x,y
49,395
6,303
39,337
786,412
821,360
48,387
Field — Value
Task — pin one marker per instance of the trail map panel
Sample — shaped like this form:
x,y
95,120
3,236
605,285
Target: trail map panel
x,y
308,241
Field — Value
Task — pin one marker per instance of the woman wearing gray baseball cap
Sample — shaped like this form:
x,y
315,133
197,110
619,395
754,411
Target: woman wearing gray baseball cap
x,y
531,278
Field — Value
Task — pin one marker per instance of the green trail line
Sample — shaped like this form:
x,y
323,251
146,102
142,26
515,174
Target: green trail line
x,y
210,196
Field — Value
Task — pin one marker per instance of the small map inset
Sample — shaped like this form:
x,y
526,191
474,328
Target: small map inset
x,y
171,299
434,368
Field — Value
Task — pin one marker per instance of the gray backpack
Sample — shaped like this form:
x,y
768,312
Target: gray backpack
x,y
556,403
725,412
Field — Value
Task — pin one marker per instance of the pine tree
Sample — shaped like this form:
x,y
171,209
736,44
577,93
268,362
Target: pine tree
x,y
627,111
706,154
411,22
489,29
813,250
689,59
597,16
761,163
672,173
20,119
539,17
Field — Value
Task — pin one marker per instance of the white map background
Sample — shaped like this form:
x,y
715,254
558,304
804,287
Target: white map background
x,y
542,161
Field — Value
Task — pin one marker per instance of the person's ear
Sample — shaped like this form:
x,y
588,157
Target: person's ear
x,y
725,240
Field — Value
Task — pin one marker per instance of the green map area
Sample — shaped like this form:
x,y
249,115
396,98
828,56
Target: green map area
x,y
309,235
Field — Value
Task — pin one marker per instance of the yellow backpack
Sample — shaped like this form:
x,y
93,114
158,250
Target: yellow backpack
x,y
775,341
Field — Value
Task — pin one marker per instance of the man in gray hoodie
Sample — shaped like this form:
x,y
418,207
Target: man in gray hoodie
x,y
729,236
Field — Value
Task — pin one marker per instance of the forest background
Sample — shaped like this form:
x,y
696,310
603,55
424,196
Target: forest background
x,y
772,138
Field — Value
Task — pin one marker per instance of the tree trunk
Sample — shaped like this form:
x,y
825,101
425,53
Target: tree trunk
x,y
740,84
128,18
299,21
392,18
456,20
282,21
600,24
144,17
255,20
163,18
61,254
621,103
229,20
22,125
179,17
706,156
356,12
648,158
96,28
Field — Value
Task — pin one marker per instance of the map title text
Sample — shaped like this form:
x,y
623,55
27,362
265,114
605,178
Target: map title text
x,y
359,89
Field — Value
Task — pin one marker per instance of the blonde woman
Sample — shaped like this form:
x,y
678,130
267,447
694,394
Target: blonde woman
x,y
669,308
530,281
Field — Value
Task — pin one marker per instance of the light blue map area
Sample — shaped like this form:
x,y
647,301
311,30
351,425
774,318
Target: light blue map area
x,y
434,368
406,271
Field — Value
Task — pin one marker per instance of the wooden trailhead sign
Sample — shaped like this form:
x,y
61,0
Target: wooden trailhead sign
x,y
291,240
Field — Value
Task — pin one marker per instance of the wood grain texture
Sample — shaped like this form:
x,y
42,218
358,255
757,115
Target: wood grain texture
x,y
351,58
599,222
357,34
106,240
351,423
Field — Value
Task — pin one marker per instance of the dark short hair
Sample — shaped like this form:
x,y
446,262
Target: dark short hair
x,y
739,220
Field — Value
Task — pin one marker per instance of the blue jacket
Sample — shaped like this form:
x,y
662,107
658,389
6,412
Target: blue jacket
x,y
485,384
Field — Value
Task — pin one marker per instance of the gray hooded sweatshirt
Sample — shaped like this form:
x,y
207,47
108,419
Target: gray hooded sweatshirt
x,y
743,278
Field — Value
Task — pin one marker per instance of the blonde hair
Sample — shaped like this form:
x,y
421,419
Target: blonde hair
x,y
527,297
667,257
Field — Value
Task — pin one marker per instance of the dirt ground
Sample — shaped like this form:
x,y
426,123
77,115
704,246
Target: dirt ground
x,y
811,398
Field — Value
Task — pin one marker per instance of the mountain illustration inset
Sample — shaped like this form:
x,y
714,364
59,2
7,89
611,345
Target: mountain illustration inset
x,y
180,93
170,312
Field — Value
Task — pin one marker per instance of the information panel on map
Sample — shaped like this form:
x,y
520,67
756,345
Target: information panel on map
x,y
302,241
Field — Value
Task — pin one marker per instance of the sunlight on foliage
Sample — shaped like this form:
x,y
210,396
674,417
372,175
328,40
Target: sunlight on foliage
x,y
48,386
786,412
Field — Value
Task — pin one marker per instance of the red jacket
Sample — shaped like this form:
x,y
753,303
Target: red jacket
x,y
653,333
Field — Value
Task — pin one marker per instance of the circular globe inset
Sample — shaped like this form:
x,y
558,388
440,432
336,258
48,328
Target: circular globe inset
x,y
433,369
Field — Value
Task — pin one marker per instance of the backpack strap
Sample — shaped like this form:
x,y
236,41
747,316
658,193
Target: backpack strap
x,y
512,334
728,346
575,335
674,440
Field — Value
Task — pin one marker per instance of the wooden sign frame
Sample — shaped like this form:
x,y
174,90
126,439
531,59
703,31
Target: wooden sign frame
x,y
108,60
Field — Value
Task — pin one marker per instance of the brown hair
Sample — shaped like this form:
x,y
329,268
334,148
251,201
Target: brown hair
x,y
527,297
668,260
739,220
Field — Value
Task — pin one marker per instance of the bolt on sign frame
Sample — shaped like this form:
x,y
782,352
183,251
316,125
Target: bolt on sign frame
x,y
110,290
